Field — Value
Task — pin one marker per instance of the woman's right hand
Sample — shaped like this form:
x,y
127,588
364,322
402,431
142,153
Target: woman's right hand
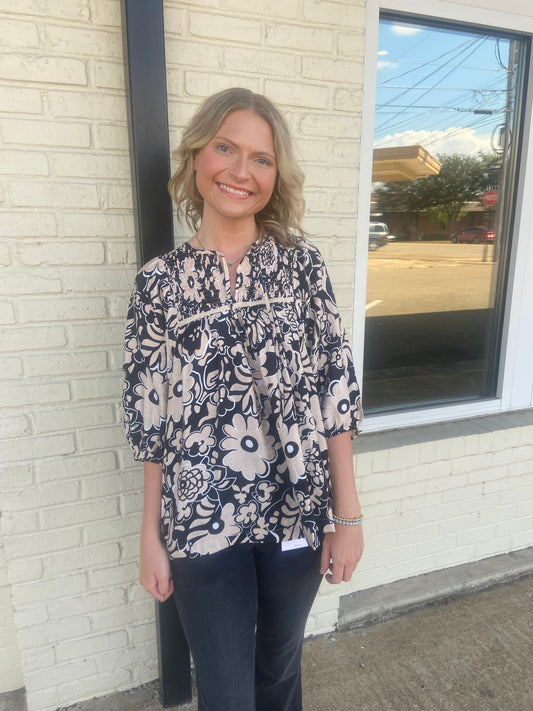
x,y
155,575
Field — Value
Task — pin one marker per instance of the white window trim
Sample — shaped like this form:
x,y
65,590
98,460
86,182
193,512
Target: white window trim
x,y
515,387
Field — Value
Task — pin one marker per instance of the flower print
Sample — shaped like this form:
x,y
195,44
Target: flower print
x,y
152,398
267,364
244,286
290,519
249,387
317,476
199,442
334,325
153,349
245,267
218,281
247,514
189,282
264,491
249,449
336,405
294,452
132,344
174,438
183,510
220,401
215,532
304,502
258,326
185,387
260,530
194,341
242,493
193,482
269,257
238,378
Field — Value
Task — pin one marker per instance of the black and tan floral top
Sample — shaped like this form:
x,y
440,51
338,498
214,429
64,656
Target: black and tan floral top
x,y
237,395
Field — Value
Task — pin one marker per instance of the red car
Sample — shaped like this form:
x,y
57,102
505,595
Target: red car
x,y
474,234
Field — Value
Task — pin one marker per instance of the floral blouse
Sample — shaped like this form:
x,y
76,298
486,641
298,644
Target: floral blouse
x,y
236,395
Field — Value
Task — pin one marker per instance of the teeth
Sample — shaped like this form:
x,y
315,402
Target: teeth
x,y
233,190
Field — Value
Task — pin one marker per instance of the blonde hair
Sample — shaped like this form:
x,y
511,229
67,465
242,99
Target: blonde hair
x,y
283,214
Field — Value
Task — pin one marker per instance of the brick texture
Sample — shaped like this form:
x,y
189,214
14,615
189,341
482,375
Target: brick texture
x,y
69,255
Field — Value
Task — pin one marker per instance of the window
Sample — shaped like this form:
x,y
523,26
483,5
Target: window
x,y
450,110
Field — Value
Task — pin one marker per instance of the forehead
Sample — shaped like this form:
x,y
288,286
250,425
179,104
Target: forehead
x,y
246,125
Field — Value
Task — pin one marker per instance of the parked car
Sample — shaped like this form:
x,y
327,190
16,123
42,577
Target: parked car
x,y
377,235
474,234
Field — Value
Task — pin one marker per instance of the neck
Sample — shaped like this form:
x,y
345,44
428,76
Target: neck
x,y
228,242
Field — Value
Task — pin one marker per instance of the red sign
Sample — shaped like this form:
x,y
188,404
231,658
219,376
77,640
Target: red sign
x,y
490,197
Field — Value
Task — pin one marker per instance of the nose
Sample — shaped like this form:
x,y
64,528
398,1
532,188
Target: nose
x,y
240,169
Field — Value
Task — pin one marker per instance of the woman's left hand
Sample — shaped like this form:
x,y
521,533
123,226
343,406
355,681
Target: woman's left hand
x,y
341,552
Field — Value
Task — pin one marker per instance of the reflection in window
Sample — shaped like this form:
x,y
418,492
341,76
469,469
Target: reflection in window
x,y
447,130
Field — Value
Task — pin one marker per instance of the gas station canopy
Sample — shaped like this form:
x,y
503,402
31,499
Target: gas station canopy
x,y
403,163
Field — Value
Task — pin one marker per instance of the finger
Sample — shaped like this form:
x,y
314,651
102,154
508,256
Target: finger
x,y
152,588
325,559
165,587
348,572
169,591
336,575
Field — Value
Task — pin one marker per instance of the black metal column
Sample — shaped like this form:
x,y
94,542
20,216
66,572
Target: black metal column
x,y
146,90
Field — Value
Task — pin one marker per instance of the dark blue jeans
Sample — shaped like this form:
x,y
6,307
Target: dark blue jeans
x,y
244,611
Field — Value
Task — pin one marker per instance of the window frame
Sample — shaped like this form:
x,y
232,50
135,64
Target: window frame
x,y
515,377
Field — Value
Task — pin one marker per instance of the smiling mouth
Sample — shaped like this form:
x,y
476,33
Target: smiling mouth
x,y
234,191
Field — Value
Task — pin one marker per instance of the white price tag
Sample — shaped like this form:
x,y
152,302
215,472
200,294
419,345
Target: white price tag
x,y
291,545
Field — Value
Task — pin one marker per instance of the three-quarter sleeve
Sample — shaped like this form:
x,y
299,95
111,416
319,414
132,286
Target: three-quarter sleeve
x,y
145,369
330,352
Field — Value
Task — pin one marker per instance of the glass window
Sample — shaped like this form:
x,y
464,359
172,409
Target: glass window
x,y
448,120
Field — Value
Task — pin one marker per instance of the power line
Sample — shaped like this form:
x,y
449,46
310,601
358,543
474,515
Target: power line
x,y
472,46
437,88
442,108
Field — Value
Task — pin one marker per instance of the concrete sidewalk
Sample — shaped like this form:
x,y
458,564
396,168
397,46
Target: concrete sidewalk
x,y
472,652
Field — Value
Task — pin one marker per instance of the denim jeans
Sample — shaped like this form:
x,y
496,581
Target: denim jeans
x,y
244,611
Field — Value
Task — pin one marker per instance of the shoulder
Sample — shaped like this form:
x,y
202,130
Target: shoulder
x,y
165,263
307,257
162,269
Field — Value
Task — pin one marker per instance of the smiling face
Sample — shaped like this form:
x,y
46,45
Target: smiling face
x,y
236,171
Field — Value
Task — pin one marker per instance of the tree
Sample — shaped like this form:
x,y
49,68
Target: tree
x,y
444,197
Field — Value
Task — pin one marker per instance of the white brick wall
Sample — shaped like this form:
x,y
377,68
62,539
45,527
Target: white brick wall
x,y
432,503
70,493
10,670
68,527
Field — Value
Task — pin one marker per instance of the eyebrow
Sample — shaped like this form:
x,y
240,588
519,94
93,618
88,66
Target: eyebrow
x,y
235,145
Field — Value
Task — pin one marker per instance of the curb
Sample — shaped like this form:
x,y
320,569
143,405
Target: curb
x,y
385,602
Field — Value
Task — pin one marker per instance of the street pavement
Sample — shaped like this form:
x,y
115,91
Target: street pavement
x,y
472,652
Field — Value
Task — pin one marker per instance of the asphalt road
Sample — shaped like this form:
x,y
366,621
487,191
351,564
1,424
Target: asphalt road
x,y
428,277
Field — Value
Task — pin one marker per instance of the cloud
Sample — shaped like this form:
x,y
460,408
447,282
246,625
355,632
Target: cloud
x,y
405,30
385,64
452,140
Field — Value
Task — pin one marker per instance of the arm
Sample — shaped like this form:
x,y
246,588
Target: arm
x,y
155,575
342,550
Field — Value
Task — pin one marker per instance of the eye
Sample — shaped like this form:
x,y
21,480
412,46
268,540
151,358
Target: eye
x,y
264,161
222,148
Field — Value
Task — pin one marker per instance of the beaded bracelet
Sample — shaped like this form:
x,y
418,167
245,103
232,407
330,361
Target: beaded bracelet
x,y
349,521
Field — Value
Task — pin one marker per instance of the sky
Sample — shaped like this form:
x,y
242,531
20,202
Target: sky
x,y
442,89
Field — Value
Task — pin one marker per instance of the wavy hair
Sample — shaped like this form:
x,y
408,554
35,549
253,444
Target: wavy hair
x,y
283,214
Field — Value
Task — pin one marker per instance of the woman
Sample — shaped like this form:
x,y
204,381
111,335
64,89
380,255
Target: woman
x,y
241,400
